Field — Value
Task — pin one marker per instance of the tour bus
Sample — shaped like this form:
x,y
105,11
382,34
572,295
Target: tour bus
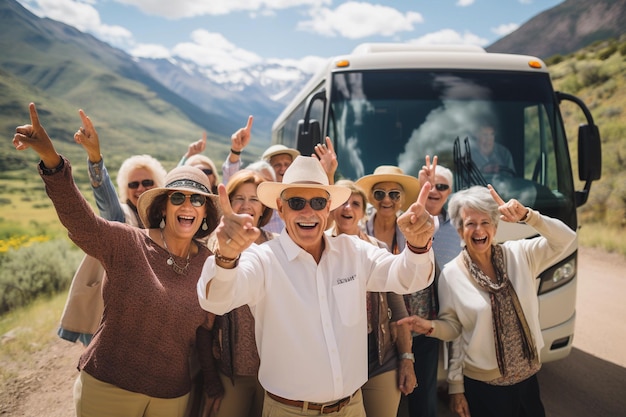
x,y
393,104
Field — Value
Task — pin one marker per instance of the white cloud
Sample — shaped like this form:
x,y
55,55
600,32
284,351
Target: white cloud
x,y
83,16
464,3
171,9
505,29
354,20
213,49
146,50
449,36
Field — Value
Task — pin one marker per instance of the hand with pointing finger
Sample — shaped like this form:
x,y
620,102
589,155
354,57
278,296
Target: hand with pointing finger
x,y
512,211
236,232
416,224
196,147
241,138
35,136
87,136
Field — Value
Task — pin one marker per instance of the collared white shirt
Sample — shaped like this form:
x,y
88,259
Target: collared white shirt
x,y
310,319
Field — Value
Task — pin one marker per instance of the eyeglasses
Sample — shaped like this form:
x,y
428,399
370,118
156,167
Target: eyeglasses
x,y
178,198
298,203
135,184
394,195
441,187
207,171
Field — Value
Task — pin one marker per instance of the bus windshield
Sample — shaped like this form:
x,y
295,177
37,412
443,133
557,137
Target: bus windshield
x,y
496,127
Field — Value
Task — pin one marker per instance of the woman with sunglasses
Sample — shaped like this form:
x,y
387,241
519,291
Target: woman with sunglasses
x,y
381,393
391,192
138,361
233,338
139,173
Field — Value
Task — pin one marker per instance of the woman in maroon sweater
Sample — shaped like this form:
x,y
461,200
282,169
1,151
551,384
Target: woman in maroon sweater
x,y
138,361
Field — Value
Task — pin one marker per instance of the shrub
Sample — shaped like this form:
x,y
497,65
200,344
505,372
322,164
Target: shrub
x,y
39,269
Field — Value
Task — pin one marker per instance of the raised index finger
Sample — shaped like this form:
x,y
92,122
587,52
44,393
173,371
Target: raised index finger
x,y
495,195
224,200
423,195
249,124
86,121
34,117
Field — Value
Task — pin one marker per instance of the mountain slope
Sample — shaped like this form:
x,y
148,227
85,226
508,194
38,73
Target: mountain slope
x,y
566,28
136,113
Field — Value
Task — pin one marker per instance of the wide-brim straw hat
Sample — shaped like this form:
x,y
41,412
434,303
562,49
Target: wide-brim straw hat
x,y
304,172
390,173
182,178
277,150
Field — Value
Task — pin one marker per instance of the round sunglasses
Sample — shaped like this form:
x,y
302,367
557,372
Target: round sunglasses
x,y
298,203
441,187
135,184
379,195
178,198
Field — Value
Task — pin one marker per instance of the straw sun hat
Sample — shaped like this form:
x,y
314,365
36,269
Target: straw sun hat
x,y
182,178
390,173
278,150
304,172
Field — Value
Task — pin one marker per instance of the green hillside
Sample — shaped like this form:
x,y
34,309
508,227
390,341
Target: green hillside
x,y
597,75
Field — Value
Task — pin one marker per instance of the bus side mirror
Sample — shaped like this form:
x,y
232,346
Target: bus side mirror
x,y
309,135
589,153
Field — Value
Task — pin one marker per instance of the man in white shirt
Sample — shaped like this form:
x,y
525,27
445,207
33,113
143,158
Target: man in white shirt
x,y
307,291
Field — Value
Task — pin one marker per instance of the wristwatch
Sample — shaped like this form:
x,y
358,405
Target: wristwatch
x,y
408,356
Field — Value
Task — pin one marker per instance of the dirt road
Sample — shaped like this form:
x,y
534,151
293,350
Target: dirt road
x,y
591,381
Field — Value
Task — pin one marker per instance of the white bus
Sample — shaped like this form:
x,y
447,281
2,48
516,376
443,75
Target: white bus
x,y
393,104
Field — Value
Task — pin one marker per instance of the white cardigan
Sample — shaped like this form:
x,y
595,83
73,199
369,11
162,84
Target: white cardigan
x,y
465,308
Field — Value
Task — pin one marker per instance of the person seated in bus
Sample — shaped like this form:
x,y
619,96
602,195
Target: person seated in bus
x,y
488,297
491,157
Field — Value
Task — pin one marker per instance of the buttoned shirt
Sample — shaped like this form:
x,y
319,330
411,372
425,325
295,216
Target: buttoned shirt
x,y
310,318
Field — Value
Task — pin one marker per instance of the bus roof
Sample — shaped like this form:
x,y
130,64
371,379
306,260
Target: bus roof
x,y
399,56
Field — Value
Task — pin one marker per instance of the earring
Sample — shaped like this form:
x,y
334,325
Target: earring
x,y
204,225
162,224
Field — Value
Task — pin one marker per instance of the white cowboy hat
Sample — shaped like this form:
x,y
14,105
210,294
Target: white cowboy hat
x,y
182,178
277,150
304,172
390,173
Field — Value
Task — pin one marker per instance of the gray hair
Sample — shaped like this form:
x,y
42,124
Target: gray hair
x,y
262,165
446,173
136,162
475,198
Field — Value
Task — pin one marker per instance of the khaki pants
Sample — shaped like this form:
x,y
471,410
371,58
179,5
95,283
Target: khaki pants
x,y
381,395
94,398
273,408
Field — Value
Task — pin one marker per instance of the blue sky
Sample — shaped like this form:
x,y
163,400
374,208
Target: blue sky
x,y
234,34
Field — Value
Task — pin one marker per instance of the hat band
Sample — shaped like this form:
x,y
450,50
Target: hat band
x,y
188,183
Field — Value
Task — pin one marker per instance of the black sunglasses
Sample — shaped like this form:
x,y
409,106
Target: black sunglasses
x,y
394,195
298,203
178,198
207,171
441,187
135,184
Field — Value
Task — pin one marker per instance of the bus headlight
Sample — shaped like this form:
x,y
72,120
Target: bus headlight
x,y
559,275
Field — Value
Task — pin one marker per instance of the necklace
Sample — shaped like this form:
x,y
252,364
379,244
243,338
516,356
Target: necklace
x,y
171,262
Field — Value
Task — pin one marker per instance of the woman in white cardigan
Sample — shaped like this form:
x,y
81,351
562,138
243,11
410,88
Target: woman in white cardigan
x,y
488,296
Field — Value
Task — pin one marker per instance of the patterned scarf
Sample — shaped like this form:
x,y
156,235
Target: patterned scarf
x,y
501,294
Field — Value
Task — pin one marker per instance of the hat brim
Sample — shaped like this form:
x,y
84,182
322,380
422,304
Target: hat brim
x,y
147,198
411,186
291,152
269,192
